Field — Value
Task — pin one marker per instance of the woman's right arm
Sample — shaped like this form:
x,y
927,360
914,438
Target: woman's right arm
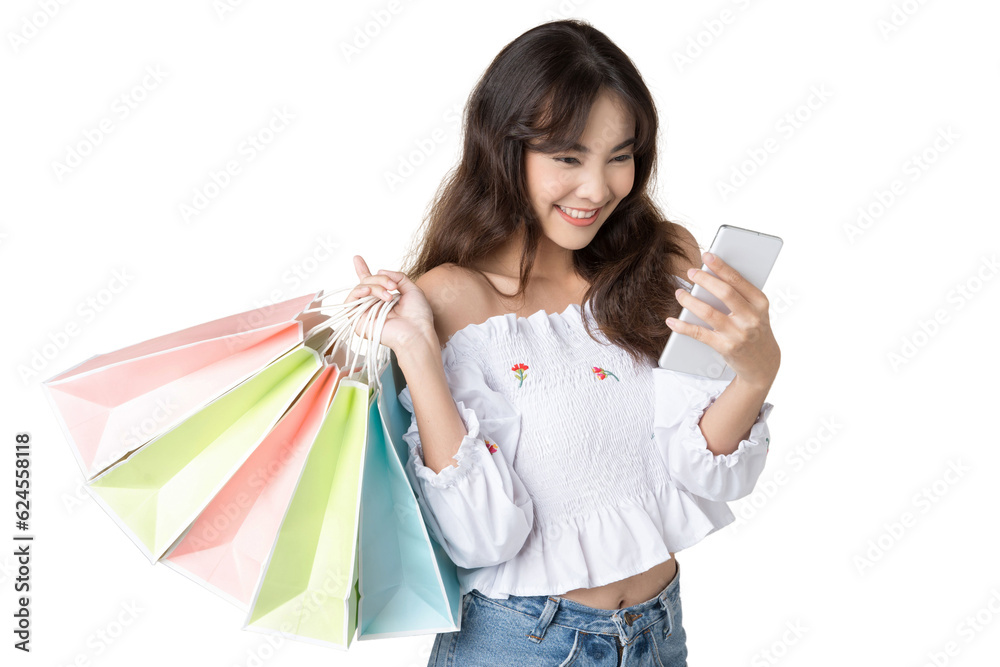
x,y
462,442
411,332
441,428
463,435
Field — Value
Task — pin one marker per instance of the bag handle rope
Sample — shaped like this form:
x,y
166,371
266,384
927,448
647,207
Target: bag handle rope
x,y
341,325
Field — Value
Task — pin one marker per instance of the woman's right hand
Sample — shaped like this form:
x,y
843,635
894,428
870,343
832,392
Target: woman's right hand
x,y
411,319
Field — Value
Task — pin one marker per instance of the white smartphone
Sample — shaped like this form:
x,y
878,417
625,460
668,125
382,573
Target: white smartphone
x,y
752,254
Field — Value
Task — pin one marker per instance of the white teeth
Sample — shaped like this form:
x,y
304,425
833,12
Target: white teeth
x,y
576,214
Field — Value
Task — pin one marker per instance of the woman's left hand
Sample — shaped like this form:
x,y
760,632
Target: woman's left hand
x,y
744,337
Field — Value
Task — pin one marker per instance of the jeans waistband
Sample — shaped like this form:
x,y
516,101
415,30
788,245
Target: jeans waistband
x,y
626,623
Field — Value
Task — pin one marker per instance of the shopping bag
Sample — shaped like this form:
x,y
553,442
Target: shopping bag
x,y
257,494
156,493
114,403
225,547
309,589
407,583
356,558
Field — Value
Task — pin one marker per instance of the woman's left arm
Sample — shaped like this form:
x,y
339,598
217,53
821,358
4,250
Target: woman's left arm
x,y
745,341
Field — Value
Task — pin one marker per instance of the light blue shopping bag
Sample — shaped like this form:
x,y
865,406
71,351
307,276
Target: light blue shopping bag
x,y
408,585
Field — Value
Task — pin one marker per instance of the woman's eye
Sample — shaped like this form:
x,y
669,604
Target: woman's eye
x,y
619,158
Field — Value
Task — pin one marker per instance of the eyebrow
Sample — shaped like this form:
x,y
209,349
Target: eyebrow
x,y
583,149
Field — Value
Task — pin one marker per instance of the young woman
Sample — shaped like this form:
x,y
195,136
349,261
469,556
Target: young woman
x,y
556,464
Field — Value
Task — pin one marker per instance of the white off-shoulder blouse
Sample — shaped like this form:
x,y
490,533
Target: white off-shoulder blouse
x,y
580,466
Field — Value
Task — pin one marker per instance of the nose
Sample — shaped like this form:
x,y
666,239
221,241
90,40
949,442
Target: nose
x,y
594,185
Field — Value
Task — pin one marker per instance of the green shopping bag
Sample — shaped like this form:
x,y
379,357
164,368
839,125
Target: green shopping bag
x,y
308,589
157,492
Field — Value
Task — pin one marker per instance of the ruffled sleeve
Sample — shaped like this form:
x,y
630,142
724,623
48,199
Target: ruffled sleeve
x,y
680,401
480,511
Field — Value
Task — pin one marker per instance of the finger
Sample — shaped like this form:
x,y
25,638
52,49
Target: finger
x,y
742,290
361,267
719,286
707,313
375,285
379,286
379,279
690,329
403,282
356,293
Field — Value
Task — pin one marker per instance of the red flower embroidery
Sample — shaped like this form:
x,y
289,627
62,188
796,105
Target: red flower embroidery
x,y
603,374
492,446
519,372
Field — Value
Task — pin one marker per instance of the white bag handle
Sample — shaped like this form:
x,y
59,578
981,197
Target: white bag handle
x,y
336,320
342,325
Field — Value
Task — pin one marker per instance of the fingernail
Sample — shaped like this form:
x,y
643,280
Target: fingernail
x,y
708,257
692,272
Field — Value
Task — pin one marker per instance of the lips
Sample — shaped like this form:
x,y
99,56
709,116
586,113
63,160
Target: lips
x,y
579,222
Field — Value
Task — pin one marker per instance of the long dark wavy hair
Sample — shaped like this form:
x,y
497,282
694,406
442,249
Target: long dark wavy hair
x,y
538,91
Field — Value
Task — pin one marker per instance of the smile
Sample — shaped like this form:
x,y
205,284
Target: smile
x,y
578,217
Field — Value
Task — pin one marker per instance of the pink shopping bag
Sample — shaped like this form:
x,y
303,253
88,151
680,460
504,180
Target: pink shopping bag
x,y
225,548
114,403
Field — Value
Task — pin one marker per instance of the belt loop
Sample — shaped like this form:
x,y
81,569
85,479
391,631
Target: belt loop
x,y
623,632
668,609
551,605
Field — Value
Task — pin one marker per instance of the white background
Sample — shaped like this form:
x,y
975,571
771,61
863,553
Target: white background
x,y
858,437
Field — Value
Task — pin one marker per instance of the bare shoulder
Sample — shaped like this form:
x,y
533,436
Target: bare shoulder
x,y
692,251
457,296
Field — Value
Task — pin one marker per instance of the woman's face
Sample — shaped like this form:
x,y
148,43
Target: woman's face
x,y
587,181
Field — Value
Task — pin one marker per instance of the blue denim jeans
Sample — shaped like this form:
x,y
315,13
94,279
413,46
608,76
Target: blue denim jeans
x,y
549,630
